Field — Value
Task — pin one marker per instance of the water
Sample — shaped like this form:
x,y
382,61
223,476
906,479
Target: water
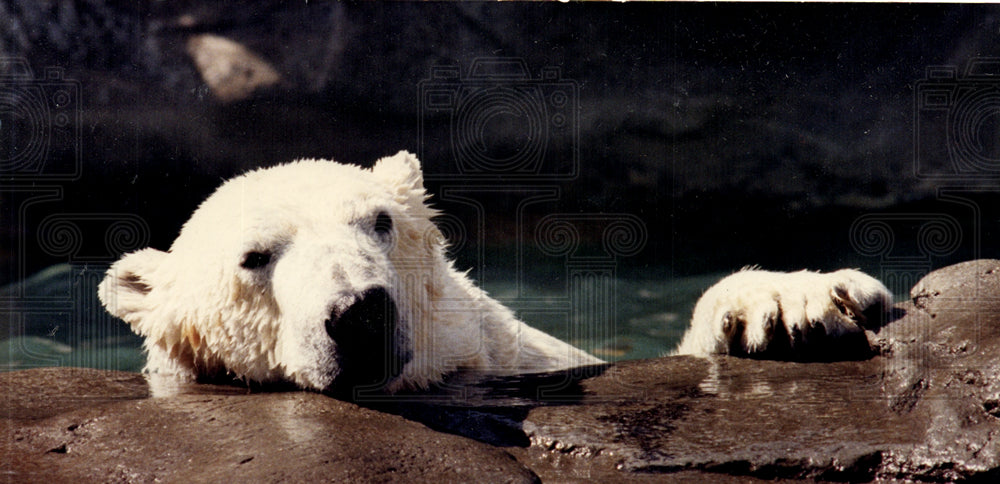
x,y
55,318
629,319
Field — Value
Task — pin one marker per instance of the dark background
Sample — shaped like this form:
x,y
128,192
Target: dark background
x,y
780,135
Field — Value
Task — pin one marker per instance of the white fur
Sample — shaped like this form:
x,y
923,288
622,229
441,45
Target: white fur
x,y
760,299
201,313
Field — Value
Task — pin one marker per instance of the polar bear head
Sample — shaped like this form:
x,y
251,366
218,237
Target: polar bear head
x,y
312,272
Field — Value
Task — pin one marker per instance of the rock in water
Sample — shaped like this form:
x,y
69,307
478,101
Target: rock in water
x,y
230,70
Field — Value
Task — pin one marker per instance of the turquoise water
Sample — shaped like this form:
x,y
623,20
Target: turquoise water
x,y
628,319
55,318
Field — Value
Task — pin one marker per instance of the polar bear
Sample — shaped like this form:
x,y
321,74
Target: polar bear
x,y
330,276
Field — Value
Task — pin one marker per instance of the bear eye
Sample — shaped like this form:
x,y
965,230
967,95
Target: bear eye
x,y
383,224
255,260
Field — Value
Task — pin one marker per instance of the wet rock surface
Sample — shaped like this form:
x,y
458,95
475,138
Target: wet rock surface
x,y
116,432
926,409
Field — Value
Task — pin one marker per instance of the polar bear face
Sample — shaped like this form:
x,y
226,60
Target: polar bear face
x,y
290,273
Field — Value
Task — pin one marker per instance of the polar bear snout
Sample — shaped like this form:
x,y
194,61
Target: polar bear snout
x,y
371,349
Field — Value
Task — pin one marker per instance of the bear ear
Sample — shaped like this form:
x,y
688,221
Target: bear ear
x,y
127,283
401,170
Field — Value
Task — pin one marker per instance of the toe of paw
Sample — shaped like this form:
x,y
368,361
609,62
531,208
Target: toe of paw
x,y
733,328
732,322
869,312
749,335
813,332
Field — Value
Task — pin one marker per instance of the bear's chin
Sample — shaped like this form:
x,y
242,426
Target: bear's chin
x,y
371,350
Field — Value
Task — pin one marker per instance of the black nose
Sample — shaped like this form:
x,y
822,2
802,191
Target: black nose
x,y
370,347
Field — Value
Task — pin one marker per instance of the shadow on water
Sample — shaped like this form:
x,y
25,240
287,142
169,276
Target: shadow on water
x,y
482,407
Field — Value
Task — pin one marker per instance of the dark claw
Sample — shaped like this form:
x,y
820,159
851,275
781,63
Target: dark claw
x,y
733,323
848,306
732,327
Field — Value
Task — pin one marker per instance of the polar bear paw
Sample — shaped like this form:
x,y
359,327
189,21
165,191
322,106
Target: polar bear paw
x,y
799,315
